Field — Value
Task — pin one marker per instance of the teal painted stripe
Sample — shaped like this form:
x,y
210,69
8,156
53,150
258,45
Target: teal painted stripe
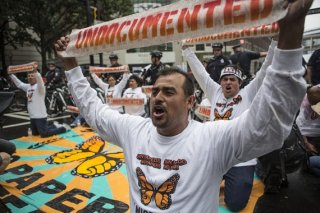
x,y
28,208
223,209
65,177
21,144
256,177
45,167
123,170
70,136
31,158
101,188
73,137
52,148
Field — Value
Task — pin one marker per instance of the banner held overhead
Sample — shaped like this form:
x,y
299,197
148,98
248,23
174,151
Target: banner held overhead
x,y
174,22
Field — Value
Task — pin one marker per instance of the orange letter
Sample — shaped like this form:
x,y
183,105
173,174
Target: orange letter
x,y
239,18
91,33
191,20
255,9
124,36
167,21
151,21
109,38
209,17
101,35
229,9
78,43
135,35
228,12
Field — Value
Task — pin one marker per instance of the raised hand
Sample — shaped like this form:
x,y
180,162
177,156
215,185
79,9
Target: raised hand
x,y
60,47
292,25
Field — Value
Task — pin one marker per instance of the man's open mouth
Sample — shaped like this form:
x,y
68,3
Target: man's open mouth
x,y
158,111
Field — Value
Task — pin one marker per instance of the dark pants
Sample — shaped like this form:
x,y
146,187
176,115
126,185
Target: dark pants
x,y
238,186
7,146
314,159
39,126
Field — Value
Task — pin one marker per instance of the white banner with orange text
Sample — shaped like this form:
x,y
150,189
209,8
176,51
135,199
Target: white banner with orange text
x,y
22,68
253,32
126,101
174,22
123,68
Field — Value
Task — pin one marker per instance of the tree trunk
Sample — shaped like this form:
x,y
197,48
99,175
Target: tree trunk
x,y
3,56
43,56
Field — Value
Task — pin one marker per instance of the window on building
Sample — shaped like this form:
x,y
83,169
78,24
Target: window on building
x,y
199,47
163,48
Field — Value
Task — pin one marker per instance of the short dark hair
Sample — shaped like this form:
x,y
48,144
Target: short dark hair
x,y
111,76
137,79
188,86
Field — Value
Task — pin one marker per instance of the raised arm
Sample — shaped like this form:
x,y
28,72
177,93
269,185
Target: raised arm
x,y
108,123
18,83
267,123
255,84
40,83
104,86
121,85
207,84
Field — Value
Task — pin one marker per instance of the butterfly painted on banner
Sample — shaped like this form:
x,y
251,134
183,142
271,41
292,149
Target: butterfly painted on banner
x,y
94,163
162,195
225,116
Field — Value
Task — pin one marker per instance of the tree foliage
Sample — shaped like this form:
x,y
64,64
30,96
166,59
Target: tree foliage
x,y
42,22
108,9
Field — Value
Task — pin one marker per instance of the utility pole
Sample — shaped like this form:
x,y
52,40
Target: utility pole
x,y
89,23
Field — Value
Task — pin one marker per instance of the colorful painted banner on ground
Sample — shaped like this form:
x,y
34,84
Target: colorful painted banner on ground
x,y
73,172
175,22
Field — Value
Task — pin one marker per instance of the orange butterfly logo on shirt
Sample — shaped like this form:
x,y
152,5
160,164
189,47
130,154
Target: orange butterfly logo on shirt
x,y
225,116
94,162
162,195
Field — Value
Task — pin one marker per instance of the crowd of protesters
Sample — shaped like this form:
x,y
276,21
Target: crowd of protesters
x,y
221,81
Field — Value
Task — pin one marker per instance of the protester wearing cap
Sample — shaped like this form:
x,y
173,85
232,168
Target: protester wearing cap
x,y
230,81
150,75
216,63
113,57
243,59
228,101
54,76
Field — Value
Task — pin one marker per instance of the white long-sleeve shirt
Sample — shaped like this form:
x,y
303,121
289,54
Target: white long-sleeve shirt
x,y
112,92
135,93
193,162
228,108
35,94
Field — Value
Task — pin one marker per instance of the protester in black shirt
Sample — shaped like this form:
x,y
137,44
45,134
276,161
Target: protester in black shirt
x,y
113,57
54,76
150,75
217,63
243,59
